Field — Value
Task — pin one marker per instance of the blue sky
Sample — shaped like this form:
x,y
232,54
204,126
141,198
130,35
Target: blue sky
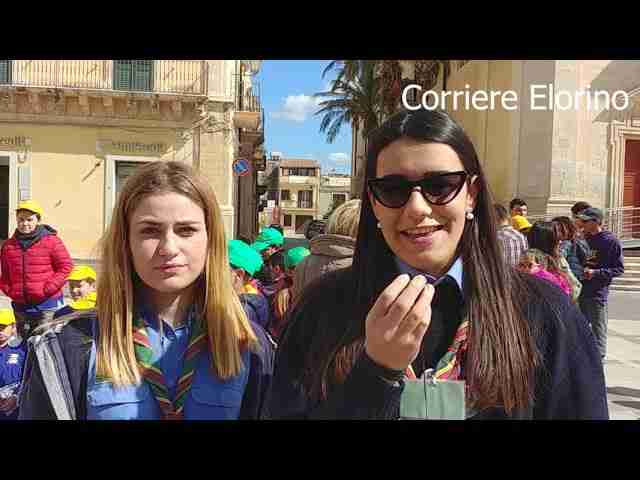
x,y
291,128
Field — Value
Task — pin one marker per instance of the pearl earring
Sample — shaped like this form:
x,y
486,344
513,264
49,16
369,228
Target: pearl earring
x,y
379,226
469,215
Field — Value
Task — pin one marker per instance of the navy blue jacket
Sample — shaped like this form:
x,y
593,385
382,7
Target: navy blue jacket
x,y
569,382
256,306
607,260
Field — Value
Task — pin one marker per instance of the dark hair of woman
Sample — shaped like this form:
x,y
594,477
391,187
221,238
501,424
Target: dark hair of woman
x,y
502,356
501,213
545,237
569,230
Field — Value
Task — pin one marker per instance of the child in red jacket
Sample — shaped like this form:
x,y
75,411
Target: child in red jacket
x,y
35,266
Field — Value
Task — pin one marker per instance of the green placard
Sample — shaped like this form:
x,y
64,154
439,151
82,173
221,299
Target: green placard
x,y
427,400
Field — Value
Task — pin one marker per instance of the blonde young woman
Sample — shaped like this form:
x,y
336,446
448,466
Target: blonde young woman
x,y
169,338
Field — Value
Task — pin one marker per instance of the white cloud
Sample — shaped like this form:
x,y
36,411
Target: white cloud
x,y
297,108
339,158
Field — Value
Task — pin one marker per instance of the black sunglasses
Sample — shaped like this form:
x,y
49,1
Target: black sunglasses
x,y
394,191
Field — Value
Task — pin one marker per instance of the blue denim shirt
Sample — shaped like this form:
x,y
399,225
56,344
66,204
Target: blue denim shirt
x,y
210,398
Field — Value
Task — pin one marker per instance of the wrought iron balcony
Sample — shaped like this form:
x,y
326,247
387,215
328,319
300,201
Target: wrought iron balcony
x,y
174,77
248,108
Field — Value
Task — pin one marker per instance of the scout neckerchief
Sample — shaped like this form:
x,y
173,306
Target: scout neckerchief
x,y
152,373
450,366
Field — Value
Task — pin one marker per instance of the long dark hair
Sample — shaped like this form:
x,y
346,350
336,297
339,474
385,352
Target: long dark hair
x,y
545,236
502,355
567,228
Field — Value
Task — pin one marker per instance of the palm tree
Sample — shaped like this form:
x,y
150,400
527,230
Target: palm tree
x,y
367,91
353,98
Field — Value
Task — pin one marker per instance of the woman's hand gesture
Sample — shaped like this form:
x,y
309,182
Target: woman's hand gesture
x,y
398,321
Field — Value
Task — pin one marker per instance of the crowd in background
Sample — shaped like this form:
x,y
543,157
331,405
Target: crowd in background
x,y
173,287
576,254
269,277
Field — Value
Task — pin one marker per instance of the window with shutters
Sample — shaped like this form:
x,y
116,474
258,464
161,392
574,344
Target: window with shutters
x,y
284,195
5,71
134,75
305,199
123,171
339,199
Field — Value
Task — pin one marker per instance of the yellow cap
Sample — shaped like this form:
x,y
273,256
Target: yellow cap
x,y
519,222
6,316
32,206
82,272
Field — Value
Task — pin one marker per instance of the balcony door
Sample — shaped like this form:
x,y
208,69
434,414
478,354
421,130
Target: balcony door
x,y
4,199
8,193
133,75
118,168
631,192
5,72
305,199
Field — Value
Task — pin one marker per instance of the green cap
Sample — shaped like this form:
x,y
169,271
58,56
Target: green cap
x,y
243,256
294,256
270,236
260,246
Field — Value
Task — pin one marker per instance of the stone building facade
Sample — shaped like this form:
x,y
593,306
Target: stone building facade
x,y
551,157
72,131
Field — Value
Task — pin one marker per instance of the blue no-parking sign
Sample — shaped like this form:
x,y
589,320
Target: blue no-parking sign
x,y
241,167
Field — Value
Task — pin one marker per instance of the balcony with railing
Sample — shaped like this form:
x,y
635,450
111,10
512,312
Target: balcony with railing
x,y
172,77
248,107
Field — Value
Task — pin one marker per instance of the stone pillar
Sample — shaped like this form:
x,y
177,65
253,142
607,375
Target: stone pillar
x,y
579,149
217,151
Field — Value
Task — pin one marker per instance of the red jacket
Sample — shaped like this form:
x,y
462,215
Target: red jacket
x,y
34,275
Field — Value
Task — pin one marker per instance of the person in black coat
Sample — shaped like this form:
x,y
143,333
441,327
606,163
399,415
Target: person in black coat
x,y
429,289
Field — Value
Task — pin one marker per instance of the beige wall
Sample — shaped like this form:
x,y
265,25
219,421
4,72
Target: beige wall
x,y
492,132
68,156
67,171
550,158
579,157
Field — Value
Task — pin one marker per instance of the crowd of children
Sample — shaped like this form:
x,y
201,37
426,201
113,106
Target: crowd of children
x,y
35,265
264,272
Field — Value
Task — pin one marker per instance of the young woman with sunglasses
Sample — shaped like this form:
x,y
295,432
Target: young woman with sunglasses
x,y
429,289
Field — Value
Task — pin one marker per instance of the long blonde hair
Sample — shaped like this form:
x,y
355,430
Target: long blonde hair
x,y
228,329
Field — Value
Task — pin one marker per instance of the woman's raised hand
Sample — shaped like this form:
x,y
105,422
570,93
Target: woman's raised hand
x,y
398,321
